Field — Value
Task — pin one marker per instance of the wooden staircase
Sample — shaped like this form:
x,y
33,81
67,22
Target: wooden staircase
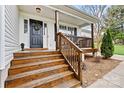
x,y
40,69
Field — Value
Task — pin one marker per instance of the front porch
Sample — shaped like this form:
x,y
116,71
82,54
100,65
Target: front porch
x,y
53,41
54,21
55,48
68,39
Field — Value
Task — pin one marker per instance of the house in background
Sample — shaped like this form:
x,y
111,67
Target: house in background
x,y
37,27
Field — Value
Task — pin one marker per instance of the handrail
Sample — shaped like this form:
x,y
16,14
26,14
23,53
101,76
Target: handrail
x,y
81,42
78,49
72,54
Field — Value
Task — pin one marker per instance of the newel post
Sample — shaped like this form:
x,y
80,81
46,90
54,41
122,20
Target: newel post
x,y
60,42
80,67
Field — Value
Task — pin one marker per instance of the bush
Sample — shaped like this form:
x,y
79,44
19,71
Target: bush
x,y
107,47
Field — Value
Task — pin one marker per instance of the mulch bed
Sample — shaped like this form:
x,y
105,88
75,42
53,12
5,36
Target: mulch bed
x,y
96,70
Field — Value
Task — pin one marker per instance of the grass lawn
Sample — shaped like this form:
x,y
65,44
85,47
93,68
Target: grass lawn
x,y
119,49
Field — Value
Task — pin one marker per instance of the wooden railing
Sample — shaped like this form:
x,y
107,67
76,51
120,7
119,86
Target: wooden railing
x,y
81,42
72,54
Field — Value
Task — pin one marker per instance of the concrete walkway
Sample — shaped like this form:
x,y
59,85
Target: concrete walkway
x,y
114,79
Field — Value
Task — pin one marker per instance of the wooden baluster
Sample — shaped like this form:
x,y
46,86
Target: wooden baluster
x,y
75,60
64,46
74,53
73,57
61,45
71,54
77,57
67,50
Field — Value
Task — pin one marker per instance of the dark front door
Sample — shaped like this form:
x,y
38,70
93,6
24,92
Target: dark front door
x,y
36,34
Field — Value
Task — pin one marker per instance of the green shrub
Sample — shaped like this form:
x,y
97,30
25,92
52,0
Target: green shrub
x,y
107,47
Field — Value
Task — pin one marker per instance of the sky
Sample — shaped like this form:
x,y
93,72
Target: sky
x,y
79,7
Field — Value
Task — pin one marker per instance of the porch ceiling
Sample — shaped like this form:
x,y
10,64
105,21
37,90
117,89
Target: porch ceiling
x,y
49,12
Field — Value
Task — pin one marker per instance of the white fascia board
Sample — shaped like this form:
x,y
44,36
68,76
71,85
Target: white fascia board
x,y
95,18
83,25
74,13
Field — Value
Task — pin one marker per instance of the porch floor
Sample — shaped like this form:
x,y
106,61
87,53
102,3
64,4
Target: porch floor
x,y
26,51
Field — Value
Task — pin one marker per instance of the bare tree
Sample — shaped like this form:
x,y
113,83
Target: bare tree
x,y
100,12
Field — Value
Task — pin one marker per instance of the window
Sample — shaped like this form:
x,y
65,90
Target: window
x,y
70,28
62,27
25,25
45,27
75,31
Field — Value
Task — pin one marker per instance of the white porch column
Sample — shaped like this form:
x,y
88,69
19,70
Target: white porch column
x,y
57,21
2,45
56,27
92,36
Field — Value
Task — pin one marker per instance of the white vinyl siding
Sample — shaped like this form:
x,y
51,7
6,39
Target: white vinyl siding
x,y
11,32
2,37
0,17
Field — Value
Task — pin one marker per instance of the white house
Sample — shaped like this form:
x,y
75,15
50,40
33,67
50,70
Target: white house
x,y
34,25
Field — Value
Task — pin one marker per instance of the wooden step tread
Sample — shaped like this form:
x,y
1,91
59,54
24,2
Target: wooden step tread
x,y
20,75
21,54
45,80
36,51
68,84
33,57
35,63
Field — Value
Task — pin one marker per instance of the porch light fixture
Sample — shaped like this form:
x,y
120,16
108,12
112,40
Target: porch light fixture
x,y
38,10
